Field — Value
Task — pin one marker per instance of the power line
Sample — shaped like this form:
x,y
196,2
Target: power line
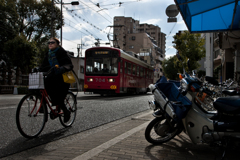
x,y
78,30
86,21
83,29
97,12
102,9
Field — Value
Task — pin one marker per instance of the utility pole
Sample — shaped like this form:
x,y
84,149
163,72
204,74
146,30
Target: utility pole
x,y
72,3
61,25
79,48
52,34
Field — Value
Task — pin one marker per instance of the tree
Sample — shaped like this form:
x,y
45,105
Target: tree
x,y
170,69
190,46
30,19
21,52
8,17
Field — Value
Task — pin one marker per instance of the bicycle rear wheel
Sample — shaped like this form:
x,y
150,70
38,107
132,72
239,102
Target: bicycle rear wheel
x,y
30,122
71,104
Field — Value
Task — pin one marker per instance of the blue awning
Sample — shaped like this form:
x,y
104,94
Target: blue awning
x,y
210,15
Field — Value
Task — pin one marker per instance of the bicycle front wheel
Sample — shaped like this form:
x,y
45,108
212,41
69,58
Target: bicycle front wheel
x,y
30,118
71,104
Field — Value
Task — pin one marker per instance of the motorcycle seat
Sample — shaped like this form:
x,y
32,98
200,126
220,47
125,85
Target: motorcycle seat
x,y
230,105
230,92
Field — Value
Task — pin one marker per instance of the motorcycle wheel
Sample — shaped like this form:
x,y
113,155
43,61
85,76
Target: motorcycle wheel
x,y
158,131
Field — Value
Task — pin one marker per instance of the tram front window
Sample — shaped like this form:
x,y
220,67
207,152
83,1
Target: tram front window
x,y
101,66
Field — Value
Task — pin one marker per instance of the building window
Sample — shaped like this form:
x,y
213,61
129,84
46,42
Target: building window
x,y
131,47
81,69
133,38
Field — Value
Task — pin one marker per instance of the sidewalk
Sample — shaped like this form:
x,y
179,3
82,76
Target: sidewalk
x,y
121,140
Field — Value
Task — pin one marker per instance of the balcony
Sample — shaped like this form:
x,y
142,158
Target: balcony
x,y
159,58
159,53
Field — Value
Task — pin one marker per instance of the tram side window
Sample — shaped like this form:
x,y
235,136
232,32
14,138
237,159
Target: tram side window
x,y
150,74
121,66
125,67
141,72
137,70
147,76
134,69
129,68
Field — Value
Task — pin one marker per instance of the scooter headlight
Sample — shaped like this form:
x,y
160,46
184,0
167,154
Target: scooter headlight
x,y
184,85
152,105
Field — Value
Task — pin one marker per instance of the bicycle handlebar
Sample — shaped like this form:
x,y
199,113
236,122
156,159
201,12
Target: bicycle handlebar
x,y
50,70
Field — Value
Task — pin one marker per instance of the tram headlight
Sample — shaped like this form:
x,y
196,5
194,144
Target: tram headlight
x,y
90,79
111,80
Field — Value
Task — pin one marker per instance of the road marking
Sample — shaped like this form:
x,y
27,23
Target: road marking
x,y
13,107
93,152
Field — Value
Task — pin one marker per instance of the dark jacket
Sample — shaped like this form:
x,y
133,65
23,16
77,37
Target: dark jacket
x,y
54,84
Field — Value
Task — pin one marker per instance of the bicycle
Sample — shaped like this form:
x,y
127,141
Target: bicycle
x,y
32,111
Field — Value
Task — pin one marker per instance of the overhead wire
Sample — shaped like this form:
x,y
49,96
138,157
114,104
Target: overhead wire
x,y
88,22
83,28
103,8
96,12
79,30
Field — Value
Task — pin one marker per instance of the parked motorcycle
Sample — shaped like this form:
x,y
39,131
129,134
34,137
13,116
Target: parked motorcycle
x,y
176,110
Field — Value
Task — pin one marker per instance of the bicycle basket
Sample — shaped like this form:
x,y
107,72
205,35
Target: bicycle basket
x,y
36,81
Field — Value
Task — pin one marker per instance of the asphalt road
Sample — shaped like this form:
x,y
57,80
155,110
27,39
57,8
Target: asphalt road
x,y
93,111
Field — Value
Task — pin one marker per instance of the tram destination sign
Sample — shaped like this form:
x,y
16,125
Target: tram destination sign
x,y
101,52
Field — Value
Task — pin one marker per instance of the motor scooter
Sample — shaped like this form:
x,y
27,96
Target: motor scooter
x,y
175,110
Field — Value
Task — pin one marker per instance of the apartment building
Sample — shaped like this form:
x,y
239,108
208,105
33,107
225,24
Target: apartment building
x,y
145,40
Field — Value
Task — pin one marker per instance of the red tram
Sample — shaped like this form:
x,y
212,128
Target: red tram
x,y
110,70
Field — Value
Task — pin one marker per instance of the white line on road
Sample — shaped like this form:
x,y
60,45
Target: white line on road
x,y
13,107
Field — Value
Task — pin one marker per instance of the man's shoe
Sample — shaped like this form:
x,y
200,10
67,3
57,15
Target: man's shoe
x,y
67,114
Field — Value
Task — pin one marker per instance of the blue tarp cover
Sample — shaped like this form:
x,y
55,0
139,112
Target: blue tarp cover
x,y
210,15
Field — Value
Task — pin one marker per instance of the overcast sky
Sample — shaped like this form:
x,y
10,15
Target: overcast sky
x,y
86,22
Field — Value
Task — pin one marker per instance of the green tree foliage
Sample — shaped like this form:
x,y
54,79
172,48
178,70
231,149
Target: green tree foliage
x,y
170,69
29,21
21,52
189,46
